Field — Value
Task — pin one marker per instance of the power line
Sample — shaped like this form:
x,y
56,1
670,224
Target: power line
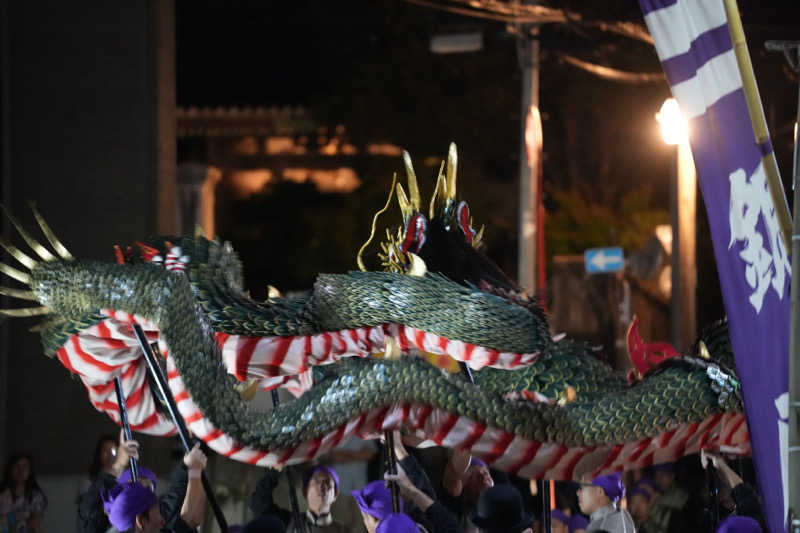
x,y
518,13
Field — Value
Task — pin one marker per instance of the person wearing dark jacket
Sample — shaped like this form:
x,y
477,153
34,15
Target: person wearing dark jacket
x,y
418,477
437,515
320,488
745,499
181,508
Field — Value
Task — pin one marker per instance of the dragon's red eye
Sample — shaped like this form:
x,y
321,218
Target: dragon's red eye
x,y
416,233
462,215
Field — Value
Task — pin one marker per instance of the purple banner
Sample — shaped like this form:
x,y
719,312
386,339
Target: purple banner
x,y
754,274
694,46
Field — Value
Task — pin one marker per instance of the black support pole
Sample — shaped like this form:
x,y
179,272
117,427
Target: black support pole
x,y
713,498
299,523
546,525
126,426
183,432
393,470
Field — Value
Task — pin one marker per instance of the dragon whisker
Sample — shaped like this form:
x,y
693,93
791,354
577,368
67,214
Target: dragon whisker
x,y
40,250
18,293
26,311
18,254
10,271
60,249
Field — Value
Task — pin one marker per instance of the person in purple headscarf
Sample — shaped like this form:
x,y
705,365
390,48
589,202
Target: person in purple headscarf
x,y
92,518
135,507
375,503
120,502
600,499
320,488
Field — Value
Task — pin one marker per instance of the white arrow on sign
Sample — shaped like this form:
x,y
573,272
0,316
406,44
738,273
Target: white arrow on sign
x,y
600,260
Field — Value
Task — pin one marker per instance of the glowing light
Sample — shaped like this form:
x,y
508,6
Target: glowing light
x,y
247,182
674,129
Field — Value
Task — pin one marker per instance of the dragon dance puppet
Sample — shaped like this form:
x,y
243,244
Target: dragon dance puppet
x,y
357,353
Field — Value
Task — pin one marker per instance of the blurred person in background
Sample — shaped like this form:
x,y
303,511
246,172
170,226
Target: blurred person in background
x,y
22,501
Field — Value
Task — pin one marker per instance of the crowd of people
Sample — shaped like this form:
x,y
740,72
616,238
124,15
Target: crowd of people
x,y
466,496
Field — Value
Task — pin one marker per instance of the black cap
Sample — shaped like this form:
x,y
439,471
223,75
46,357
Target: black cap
x,y
500,510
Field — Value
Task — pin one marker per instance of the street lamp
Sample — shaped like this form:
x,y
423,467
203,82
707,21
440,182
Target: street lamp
x,y
683,208
673,126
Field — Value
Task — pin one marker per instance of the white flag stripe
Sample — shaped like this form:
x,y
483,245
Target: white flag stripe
x,y
675,27
717,78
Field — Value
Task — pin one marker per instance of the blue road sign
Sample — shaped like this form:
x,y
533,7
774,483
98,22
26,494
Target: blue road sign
x,y
599,260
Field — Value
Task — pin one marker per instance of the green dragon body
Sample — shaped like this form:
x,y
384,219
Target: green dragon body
x,y
539,407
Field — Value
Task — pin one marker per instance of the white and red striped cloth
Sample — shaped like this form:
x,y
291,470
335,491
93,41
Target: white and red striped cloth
x,y
100,352
266,358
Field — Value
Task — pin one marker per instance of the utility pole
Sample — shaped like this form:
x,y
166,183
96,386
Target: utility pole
x,y
683,209
530,165
791,50
684,231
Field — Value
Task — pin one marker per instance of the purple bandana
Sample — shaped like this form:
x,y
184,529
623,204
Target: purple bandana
x,y
474,461
308,474
558,514
125,477
374,499
611,485
133,499
739,524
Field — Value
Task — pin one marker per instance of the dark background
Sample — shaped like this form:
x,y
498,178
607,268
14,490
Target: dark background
x,y
368,66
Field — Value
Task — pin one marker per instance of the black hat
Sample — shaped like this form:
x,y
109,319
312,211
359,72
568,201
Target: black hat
x,y
500,510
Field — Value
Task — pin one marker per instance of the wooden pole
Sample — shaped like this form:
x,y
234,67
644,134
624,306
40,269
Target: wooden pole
x,y
530,160
757,119
684,229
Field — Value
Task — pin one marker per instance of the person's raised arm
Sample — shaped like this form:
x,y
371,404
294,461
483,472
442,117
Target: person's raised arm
x,y
442,519
194,503
125,450
261,500
728,475
454,471
416,474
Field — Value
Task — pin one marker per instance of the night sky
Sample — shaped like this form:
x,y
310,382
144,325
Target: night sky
x,y
367,65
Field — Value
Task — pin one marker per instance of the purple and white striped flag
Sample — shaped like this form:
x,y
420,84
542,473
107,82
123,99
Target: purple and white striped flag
x,y
694,44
